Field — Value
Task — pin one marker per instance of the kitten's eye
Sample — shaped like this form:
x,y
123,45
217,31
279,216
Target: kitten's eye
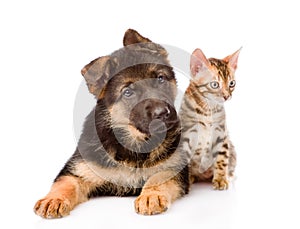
x,y
214,84
232,83
127,92
161,78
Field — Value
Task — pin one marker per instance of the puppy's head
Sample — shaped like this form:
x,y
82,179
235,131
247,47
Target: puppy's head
x,y
137,86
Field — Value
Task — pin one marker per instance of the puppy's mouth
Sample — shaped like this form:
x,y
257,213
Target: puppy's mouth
x,y
157,127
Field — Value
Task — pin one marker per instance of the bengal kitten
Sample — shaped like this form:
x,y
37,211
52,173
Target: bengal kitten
x,y
205,135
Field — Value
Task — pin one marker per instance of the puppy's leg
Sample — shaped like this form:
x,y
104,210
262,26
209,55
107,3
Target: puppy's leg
x,y
158,193
66,192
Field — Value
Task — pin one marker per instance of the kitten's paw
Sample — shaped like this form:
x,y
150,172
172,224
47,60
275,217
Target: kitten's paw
x,y
220,183
151,204
50,208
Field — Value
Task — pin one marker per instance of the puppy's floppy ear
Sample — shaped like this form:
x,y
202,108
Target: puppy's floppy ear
x,y
96,74
133,37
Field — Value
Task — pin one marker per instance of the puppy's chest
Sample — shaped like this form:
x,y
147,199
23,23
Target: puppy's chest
x,y
121,175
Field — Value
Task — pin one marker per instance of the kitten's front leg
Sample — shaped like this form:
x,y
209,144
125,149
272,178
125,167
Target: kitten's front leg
x,y
220,179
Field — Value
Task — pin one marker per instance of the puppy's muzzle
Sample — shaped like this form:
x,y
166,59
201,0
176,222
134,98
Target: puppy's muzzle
x,y
153,116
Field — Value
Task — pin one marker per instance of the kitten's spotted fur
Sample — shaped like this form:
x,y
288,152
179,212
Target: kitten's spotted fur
x,y
205,136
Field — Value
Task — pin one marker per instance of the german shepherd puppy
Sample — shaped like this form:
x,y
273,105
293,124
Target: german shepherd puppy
x,y
128,142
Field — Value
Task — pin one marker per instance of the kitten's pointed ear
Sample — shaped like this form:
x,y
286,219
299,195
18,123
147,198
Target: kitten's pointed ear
x,y
133,37
198,62
232,59
96,74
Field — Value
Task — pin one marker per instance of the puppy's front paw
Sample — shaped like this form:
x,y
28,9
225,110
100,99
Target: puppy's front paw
x,y
52,207
220,183
151,204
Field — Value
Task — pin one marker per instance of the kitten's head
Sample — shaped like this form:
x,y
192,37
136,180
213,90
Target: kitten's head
x,y
213,77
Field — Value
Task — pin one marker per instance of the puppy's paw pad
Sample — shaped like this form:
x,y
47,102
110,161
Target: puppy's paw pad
x,y
220,183
52,208
151,204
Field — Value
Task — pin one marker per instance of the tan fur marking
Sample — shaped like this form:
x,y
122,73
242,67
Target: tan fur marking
x,y
65,194
136,134
158,194
88,174
125,174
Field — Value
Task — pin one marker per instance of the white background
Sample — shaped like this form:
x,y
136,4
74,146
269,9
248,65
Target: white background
x,y
43,47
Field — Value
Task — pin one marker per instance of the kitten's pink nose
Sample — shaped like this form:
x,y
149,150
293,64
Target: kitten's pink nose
x,y
226,97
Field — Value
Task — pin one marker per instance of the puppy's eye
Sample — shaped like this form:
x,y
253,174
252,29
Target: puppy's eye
x,y
214,85
127,92
232,83
161,78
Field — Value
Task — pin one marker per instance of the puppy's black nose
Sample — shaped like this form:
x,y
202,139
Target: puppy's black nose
x,y
161,113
